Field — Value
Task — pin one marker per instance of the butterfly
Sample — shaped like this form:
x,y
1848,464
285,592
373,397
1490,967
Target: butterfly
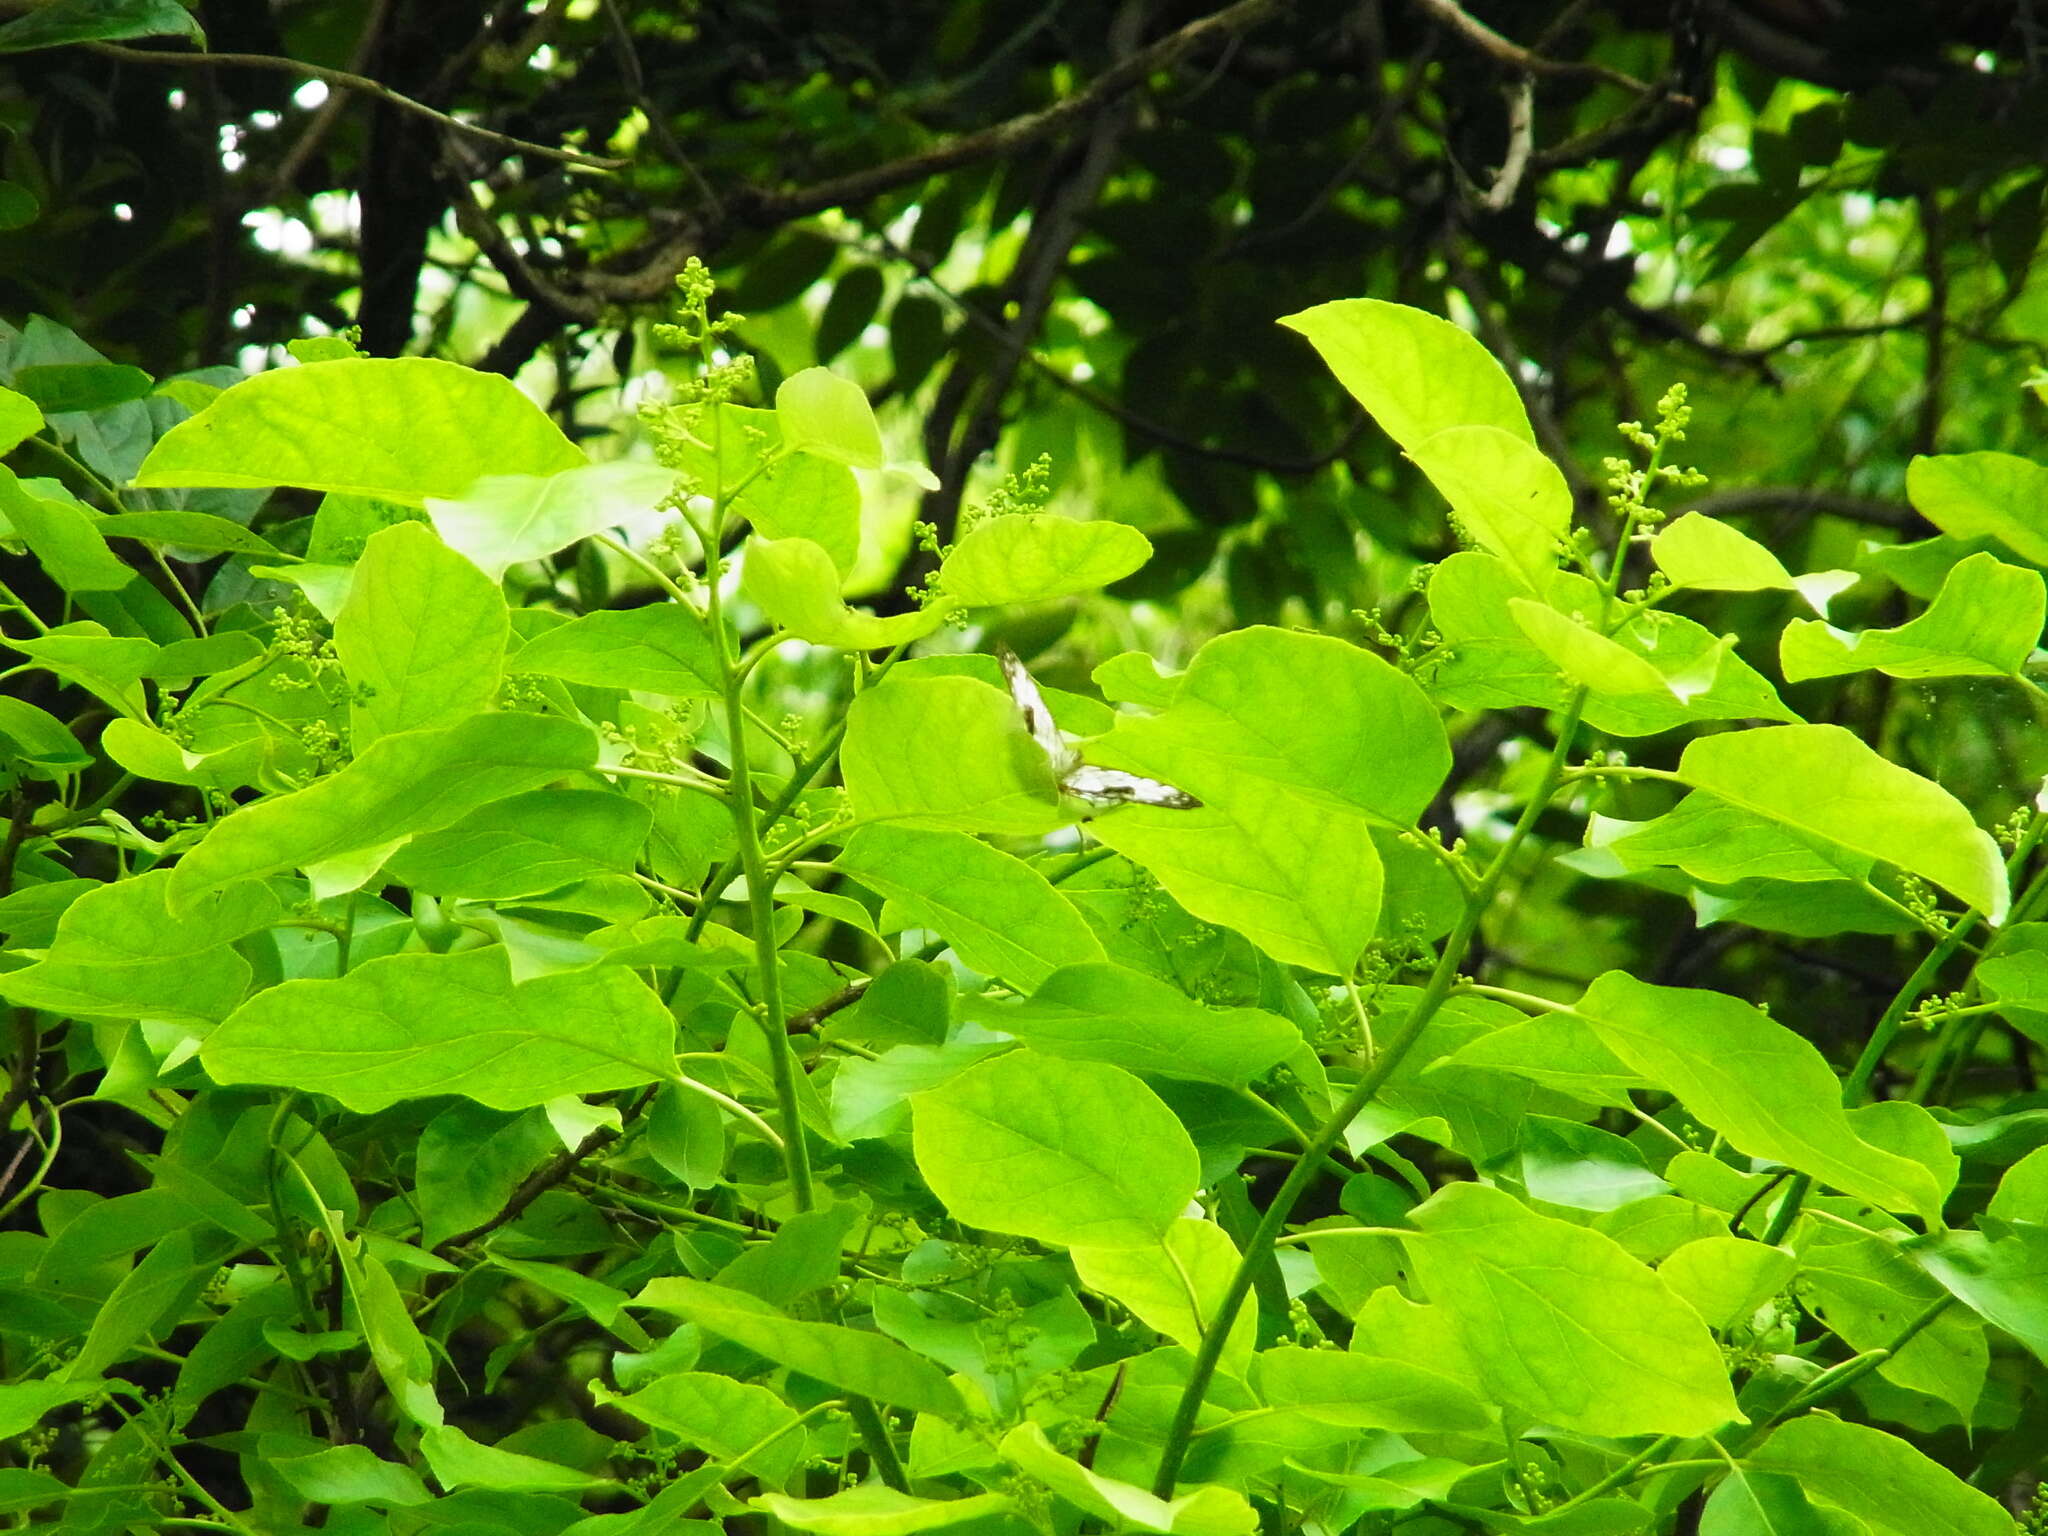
x,y
1103,787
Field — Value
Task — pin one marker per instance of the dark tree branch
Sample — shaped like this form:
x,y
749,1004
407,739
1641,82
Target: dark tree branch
x,y
1519,59
363,85
1800,498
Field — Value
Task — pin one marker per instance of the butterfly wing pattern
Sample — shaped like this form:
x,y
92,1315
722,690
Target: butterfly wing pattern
x,y
1104,788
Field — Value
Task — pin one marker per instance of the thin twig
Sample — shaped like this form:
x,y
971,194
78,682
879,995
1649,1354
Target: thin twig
x,y
1514,56
362,83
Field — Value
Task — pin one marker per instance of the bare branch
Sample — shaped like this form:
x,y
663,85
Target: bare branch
x,y
1801,498
363,84
1514,56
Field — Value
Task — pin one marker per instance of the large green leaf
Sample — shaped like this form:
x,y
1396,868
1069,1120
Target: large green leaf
x,y
999,914
1879,1479
1505,496
1416,373
1866,1290
946,751
1297,746
97,21
1035,557
398,428
1762,1086
1718,843
1562,1324
119,954
527,844
1175,1285
875,1509
2003,1280
416,781
797,585
504,519
1210,1510
1825,781
1985,621
58,530
422,635
1102,1012
1973,495
414,1026
1361,1390
658,648
1060,1151
1489,661
19,419
1751,1503
848,1358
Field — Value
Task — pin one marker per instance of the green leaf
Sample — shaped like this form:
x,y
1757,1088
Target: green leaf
x,y
1174,1286
1505,496
1297,745
1365,1391
724,1418
25,1488
999,914
946,751
1060,1151
460,1462
417,781
1103,1012
1488,661
150,1301
58,529
801,497
150,754
1557,1050
118,953
1718,843
98,21
502,520
1036,557
2004,1281
38,742
19,419
1751,1503
351,1474
1879,1479
60,387
1974,495
1416,373
413,1026
1866,1291
422,635
2022,1193
1565,1163
823,414
1562,1324
23,1404
398,428
874,1509
847,1358
1211,1510
525,845
1823,780
797,586
1985,621
1706,554
1763,1087
1582,653
659,648
1727,1278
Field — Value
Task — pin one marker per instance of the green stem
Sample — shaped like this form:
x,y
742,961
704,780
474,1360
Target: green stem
x,y
874,1436
773,1018
1624,1473
1259,1248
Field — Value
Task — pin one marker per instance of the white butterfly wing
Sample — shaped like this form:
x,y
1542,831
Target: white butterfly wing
x,y
1031,705
1112,786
